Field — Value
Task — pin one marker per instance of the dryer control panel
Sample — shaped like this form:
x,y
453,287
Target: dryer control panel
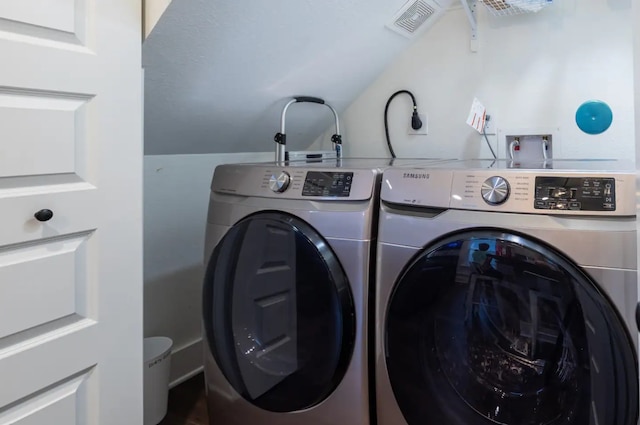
x,y
575,193
327,183
295,182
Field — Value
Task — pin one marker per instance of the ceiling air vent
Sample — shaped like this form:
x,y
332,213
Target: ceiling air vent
x,y
414,17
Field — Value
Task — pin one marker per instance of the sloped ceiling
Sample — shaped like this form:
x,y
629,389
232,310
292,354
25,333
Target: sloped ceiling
x,y
218,72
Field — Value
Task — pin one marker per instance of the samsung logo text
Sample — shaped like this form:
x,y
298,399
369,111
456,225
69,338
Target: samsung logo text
x,y
418,176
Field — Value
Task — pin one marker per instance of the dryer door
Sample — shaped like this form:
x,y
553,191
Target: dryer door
x,y
489,327
278,312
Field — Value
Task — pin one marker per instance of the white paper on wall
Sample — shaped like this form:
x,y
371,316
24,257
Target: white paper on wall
x,y
477,115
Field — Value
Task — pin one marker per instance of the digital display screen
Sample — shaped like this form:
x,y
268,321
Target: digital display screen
x,y
327,183
576,193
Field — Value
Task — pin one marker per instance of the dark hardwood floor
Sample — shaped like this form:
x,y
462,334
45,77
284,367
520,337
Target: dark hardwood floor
x,y
187,404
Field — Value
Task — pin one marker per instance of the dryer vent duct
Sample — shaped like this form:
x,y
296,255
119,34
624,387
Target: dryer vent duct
x,y
415,17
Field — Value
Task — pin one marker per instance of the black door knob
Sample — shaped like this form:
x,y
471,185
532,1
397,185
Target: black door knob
x,y
43,215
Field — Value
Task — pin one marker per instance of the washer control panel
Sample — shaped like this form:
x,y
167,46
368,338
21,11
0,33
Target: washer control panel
x,y
327,183
575,193
545,192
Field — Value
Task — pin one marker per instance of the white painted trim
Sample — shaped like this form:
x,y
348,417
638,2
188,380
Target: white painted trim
x,y
186,377
186,362
153,10
636,84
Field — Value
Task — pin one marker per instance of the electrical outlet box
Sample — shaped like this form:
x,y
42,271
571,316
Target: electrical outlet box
x,y
422,130
490,126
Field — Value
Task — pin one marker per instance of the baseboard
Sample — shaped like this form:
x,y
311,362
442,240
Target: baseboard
x,y
186,361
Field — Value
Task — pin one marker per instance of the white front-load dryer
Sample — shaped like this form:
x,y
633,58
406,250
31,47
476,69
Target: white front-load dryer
x,y
286,292
507,295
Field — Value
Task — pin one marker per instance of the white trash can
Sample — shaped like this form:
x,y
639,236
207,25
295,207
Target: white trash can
x,y
157,366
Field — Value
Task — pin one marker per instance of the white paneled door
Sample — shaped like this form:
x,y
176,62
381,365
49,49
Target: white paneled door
x,y
70,212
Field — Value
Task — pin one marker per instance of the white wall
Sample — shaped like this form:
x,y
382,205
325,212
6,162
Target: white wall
x,y
219,72
531,71
176,197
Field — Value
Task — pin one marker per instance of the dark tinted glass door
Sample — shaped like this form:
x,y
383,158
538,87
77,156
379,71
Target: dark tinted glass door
x,y
278,312
487,327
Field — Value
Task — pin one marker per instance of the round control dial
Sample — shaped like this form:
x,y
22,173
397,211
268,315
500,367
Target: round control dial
x,y
279,183
495,190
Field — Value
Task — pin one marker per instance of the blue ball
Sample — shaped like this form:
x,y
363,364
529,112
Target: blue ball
x,y
594,117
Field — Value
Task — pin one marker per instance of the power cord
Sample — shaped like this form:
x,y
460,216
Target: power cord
x,y
484,133
416,122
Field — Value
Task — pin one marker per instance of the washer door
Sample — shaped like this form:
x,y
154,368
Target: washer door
x,y
278,312
489,327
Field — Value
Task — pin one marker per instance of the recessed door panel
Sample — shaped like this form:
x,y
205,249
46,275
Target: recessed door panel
x,y
59,15
57,405
52,146
27,271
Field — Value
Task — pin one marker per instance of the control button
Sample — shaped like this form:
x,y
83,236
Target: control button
x,y
279,183
561,206
552,204
495,190
574,205
558,192
608,206
541,204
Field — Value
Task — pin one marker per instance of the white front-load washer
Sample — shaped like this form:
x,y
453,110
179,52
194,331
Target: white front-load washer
x,y
507,295
286,292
